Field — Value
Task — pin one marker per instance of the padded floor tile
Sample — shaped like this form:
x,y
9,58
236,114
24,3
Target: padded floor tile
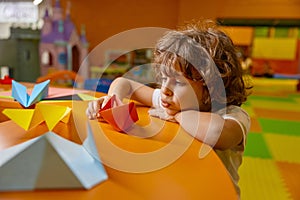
x,y
283,147
260,179
256,146
285,127
290,173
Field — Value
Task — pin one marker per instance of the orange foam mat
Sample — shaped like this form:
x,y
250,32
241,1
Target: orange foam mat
x,y
290,173
275,114
255,126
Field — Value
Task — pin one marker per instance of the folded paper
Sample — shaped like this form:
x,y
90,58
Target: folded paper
x,y
120,116
22,117
39,91
29,118
53,114
86,97
51,162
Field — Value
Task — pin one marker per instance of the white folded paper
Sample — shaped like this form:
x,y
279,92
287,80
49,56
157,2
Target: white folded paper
x,y
51,162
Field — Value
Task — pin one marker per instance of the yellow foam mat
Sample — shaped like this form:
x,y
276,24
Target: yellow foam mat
x,y
284,147
249,110
274,82
260,179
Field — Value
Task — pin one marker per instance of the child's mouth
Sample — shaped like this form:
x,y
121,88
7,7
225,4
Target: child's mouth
x,y
165,104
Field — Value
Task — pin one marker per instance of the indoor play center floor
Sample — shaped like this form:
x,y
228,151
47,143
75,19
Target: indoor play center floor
x,y
271,166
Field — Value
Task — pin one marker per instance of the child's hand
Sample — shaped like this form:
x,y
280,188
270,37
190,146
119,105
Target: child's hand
x,y
92,110
162,114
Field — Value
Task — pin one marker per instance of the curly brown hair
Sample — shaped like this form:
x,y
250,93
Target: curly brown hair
x,y
201,47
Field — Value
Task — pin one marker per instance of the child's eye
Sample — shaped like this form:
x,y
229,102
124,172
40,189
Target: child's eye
x,y
163,79
180,83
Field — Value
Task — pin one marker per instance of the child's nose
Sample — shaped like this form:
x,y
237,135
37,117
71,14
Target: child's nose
x,y
167,91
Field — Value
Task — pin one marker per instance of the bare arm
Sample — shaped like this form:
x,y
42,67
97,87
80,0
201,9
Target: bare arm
x,y
122,88
211,128
125,88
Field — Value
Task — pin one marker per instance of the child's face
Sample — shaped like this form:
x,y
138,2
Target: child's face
x,y
179,93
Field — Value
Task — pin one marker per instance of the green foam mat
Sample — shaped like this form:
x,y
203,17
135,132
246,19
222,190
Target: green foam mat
x,y
280,126
256,146
272,99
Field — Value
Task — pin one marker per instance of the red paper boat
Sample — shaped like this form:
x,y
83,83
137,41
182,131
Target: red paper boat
x,y
120,116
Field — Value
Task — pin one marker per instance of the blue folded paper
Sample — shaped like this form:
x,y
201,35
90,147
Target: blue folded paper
x,y
39,91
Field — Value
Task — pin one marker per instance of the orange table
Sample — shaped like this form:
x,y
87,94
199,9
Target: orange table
x,y
165,165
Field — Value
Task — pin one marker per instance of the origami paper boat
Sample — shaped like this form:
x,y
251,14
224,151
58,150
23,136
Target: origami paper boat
x,y
19,93
29,118
51,162
120,116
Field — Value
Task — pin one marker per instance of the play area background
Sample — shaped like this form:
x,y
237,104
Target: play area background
x,y
271,166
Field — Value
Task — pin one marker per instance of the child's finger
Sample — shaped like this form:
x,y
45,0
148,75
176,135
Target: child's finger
x,y
92,110
105,100
95,105
90,113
